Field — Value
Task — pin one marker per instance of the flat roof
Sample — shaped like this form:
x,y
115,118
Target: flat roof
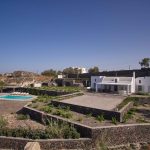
x,y
113,83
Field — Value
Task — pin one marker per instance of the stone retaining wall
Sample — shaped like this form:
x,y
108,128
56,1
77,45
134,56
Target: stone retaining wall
x,y
86,110
125,109
43,118
122,134
54,144
143,101
114,135
13,143
35,91
109,135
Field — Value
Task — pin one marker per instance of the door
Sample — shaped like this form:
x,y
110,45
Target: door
x,y
115,88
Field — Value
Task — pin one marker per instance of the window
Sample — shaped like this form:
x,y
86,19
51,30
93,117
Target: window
x,y
115,80
139,88
95,80
139,81
148,89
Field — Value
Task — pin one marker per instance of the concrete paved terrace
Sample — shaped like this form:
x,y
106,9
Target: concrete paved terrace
x,y
96,100
9,106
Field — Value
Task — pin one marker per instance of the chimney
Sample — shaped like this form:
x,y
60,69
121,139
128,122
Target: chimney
x,y
133,74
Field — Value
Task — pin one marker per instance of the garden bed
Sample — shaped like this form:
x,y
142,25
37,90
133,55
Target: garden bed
x,y
23,126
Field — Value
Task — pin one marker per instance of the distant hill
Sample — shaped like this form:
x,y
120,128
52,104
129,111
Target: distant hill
x,y
21,78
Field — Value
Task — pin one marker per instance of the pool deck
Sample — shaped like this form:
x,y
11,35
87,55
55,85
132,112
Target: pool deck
x,y
11,106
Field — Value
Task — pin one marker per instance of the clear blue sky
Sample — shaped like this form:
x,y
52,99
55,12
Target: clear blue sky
x,y
41,34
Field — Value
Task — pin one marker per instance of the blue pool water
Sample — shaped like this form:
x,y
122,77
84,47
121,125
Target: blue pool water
x,y
15,97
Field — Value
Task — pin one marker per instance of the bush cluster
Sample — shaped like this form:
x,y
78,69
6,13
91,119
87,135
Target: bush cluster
x,y
3,122
53,131
22,117
127,100
63,112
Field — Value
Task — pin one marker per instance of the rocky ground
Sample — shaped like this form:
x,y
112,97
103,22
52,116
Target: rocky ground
x,y
135,146
13,122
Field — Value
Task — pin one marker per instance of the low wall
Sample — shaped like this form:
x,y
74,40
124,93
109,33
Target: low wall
x,y
109,135
42,117
125,109
13,143
86,110
54,144
143,101
122,134
35,91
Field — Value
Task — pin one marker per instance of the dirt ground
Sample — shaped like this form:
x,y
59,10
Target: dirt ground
x,y
12,122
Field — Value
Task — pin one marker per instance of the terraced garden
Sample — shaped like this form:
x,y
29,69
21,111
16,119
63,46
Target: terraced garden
x,y
139,113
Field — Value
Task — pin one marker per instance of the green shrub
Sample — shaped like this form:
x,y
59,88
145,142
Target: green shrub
x,y
114,120
51,132
100,117
46,109
127,100
22,117
70,132
129,114
62,113
3,122
89,115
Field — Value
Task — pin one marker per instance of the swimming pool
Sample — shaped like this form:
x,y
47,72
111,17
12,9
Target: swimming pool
x,y
16,97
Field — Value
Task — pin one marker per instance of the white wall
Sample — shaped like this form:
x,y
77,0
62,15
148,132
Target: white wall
x,y
145,83
83,70
95,79
60,76
133,85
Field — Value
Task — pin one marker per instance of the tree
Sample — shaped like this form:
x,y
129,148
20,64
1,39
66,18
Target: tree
x,y
69,70
93,70
145,63
49,72
72,70
2,84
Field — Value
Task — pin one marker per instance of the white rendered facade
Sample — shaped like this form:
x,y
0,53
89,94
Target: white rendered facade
x,y
143,84
124,85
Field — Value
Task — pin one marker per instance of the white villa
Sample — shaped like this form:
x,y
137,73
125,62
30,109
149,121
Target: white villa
x,y
121,85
